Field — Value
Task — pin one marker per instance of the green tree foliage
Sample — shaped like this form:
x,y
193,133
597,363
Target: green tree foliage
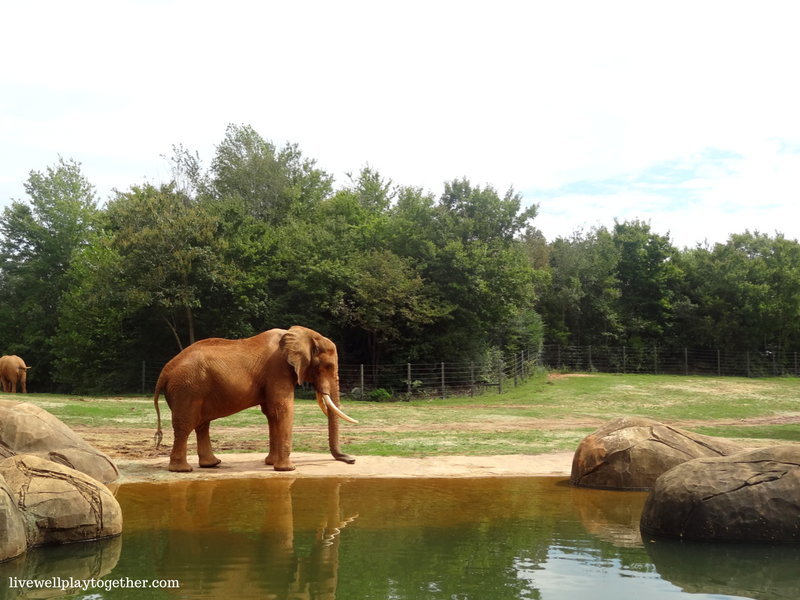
x,y
581,303
271,184
744,294
38,240
393,273
648,278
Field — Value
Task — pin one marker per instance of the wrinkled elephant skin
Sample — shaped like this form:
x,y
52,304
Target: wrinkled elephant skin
x,y
214,378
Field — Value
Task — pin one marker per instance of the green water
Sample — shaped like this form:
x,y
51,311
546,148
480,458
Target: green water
x,y
449,539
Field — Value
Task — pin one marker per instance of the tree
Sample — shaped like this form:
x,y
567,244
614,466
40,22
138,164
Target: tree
x,y
649,277
580,303
38,241
271,184
388,300
473,255
171,255
744,294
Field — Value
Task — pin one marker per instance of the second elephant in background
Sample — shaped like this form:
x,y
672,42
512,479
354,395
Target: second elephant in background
x,y
13,370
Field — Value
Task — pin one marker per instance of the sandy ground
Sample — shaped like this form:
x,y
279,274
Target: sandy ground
x,y
322,465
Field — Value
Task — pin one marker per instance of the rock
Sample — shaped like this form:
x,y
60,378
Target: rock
x,y
752,496
28,429
59,504
630,453
12,528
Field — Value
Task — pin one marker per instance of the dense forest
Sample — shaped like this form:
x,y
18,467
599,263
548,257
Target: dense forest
x,y
392,273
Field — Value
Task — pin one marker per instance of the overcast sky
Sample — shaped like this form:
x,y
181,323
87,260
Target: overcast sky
x,y
684,114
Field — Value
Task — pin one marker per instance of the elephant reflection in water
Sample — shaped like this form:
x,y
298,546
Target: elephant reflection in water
x,y
253,549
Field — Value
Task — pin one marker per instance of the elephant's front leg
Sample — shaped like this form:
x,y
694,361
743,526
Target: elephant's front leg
x,y
204,451
280,416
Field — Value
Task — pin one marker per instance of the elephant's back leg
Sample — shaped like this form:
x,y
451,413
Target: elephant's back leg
x,y
185,419
204,451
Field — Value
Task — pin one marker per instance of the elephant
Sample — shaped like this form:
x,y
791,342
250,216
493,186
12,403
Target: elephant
x,y
12,370
216,377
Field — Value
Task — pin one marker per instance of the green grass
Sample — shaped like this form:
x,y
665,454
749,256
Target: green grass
x,y
787,433
510,423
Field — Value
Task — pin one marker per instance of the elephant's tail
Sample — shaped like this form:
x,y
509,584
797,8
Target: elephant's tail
x,y
159,434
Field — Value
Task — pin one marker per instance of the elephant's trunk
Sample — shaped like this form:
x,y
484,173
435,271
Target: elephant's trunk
x,y
333,427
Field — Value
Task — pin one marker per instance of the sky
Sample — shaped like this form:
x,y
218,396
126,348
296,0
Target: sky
x,y
682,114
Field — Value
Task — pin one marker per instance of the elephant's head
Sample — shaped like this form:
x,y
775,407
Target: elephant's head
x,y
315,360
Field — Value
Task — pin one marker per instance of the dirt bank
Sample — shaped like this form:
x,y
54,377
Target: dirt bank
x,y
321,465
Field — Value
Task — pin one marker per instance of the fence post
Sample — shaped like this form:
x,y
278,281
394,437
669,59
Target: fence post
x,y
590,358
472,379
362,382
143,383
624,361
795,363
500,376
774,366
655,360
409,380
558,355
442,381
515,370
686,361
719,366
748,363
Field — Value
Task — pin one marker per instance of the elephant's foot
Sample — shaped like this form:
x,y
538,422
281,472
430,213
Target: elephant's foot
x,y
180,467
281,464
288,466
270,460
345,458
211,463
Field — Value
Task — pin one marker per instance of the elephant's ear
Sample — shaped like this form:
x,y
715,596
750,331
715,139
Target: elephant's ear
x,y
297,346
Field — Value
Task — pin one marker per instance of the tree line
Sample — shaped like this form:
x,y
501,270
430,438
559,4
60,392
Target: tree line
x,y
261,238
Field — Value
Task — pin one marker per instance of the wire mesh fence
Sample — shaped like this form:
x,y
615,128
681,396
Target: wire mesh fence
x,y
403,382
441,380
670,361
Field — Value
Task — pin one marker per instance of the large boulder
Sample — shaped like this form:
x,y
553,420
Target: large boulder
x,y
12,528
28,429
59,504
753,496
630,453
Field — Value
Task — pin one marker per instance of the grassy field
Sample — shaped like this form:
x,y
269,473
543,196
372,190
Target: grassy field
x,y
543,415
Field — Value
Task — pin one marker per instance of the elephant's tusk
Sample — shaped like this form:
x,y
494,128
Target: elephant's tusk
x,y
322,404
336,410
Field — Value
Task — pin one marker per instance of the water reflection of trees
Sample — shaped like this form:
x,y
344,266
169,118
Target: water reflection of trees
x,y
284,537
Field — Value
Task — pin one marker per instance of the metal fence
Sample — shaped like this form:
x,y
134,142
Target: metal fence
x,y
670,361
403,382
440,380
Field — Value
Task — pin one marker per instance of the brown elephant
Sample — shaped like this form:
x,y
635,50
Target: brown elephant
x,y
214,378
12,370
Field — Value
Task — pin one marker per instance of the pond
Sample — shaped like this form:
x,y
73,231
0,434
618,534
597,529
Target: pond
x,y
490,538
